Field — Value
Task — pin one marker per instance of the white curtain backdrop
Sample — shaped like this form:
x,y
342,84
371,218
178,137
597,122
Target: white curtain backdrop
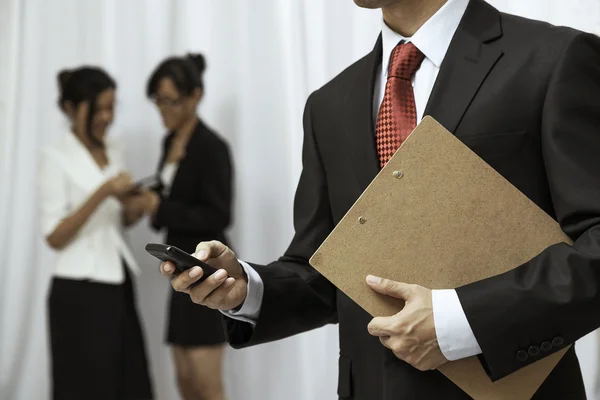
x,y
264,58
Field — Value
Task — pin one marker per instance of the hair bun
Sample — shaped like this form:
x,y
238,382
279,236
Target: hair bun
x,y
63,78
198,60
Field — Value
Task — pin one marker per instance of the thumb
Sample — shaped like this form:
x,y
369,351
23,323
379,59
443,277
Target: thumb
x,y
390,288
212,249
220,256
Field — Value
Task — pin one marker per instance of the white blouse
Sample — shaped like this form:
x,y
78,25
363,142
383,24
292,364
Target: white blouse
x,y
167,175
68,177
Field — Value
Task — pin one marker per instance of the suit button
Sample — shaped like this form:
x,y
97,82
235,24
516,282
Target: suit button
x,y
534,351
546,347
522,356
557,341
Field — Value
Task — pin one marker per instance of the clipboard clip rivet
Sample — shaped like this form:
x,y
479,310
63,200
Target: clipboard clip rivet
x,y
398,174
361,220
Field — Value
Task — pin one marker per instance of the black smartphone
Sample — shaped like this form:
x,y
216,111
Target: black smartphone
x,y
148,182
182,260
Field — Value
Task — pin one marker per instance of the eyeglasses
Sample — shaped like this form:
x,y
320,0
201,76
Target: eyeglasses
x,y
167,102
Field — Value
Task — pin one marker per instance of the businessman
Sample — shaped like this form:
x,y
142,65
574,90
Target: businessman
x,y
521,94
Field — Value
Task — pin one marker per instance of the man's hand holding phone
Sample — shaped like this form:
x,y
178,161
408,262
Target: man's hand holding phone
x,y
224,290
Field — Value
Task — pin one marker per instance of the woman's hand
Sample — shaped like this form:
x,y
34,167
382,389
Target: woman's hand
x,y
120,185
136,205
133,209
150,202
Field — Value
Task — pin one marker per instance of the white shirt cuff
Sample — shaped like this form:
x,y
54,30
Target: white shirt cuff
x,y
251,308
454,334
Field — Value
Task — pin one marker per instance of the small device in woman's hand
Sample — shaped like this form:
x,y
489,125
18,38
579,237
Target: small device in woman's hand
x,y
182,260
147,183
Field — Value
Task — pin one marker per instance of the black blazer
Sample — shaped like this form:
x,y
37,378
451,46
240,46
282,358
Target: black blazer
x,y
525,96
198,206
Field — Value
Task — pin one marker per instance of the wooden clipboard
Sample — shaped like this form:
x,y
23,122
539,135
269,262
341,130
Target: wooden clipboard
x,y
437,215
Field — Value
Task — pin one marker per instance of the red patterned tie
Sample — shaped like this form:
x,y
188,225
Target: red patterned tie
x,y
398,114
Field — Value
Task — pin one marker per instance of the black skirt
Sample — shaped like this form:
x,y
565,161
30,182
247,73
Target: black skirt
x,y
96,340
192,325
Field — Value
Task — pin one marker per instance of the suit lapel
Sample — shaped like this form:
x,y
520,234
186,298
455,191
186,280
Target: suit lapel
x,y
166,147
188,160
359,111
468,62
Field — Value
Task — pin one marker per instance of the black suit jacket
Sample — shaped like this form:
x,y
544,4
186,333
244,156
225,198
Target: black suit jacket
x,y
198,207
525,96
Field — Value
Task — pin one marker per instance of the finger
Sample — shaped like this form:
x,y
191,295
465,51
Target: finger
x,y
382,326
391,288
385,341
184,280
125,178
200,292
400,351
218,296
212,249
397,346
167,268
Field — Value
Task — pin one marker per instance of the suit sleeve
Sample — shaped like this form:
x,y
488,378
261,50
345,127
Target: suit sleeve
x,y
213,212
554,299
296,298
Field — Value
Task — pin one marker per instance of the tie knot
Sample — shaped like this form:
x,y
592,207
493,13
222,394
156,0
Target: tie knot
x,y
405,61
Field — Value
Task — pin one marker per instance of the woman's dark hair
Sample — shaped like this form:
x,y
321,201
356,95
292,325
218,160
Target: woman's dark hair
x,y
185,72
84,84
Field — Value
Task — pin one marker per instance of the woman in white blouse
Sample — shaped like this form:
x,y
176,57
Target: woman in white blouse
x,y
97,343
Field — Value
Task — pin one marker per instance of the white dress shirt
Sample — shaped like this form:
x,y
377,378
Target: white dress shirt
x,y
68,177
455,336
